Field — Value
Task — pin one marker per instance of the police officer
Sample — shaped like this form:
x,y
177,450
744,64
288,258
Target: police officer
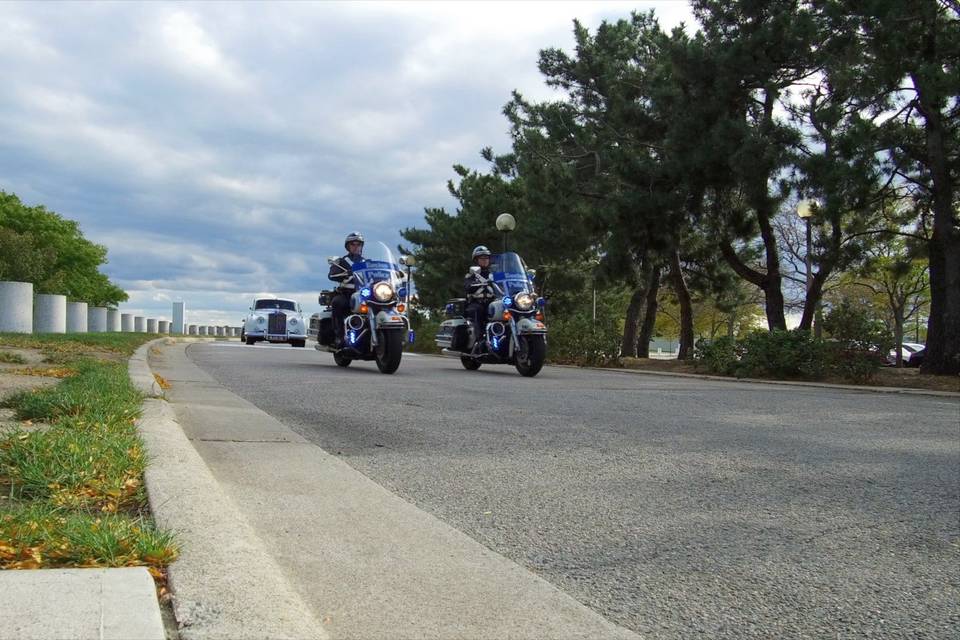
x,y
479,290
341,272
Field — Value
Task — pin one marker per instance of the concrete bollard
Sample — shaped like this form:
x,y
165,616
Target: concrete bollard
x,y
139,324
97,319
151,325
192,330
76,317
113,320
126,322
201,330
179,312
163,326
16,307
50,313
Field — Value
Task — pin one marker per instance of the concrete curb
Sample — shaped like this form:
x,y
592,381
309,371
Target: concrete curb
x,y
792,383
795,383
225,584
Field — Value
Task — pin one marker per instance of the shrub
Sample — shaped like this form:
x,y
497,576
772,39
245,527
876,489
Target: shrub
x,y
720,356
577,339
781,354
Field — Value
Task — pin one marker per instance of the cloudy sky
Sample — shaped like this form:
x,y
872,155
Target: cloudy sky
x,y
220,150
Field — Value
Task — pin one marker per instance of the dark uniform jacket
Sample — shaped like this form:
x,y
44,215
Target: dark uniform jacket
x,y
341,272
477,286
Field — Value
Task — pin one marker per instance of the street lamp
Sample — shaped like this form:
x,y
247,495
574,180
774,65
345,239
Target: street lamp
x,y
506,223
806,210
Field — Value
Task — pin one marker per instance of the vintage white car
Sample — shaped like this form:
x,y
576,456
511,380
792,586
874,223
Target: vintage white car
x,y
274,320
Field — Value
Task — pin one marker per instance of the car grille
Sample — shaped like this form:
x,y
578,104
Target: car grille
x,y
277,324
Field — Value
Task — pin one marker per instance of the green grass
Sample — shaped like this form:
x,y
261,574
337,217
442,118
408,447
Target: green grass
x,y
40,535
72,493
63,347
11,358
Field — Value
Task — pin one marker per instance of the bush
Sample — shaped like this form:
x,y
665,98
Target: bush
x,y
720,356
782,354
858,343
577,339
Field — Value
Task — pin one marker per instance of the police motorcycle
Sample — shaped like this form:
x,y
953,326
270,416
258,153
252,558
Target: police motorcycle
x,y
377,325
515,332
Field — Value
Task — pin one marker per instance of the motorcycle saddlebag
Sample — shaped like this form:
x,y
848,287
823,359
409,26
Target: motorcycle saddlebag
x,y
452,334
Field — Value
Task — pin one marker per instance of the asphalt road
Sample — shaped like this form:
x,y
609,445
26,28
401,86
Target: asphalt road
x,y
675,507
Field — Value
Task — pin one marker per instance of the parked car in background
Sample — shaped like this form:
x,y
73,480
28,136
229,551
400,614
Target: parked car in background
x,y
274,320
916,359
909,349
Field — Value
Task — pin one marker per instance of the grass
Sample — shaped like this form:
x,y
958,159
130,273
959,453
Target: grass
x,y
72,494
11,358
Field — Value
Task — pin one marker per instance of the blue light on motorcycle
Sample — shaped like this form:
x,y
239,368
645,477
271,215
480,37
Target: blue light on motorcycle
x,y
410,337
541,302
507,301
352,336
365,292
495,343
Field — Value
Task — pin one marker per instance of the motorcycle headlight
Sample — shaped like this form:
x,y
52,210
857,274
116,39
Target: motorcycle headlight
x,y
382,292
523,302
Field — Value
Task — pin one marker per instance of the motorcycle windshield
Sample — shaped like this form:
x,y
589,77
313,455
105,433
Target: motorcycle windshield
x,y
378,265
510,273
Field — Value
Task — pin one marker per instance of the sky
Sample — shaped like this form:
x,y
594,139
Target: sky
x,y
221,150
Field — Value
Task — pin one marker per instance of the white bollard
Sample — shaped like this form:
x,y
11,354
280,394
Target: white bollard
x,y
97,319
139,326
76,317
201,330
16,307
113,320
179,311
126,322
163,326
50,313
151,325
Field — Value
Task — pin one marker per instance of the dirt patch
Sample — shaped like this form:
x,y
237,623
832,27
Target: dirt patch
x,y
885,377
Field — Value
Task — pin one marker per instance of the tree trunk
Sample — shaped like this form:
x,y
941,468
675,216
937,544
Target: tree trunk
x,y
650,315
685,350
898,335
772,291
943,326
628,348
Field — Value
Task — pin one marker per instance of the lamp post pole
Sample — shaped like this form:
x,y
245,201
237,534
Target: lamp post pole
x,y
805,209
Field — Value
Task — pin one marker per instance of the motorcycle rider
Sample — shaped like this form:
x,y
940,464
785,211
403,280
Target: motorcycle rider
x,y
479,290
341,271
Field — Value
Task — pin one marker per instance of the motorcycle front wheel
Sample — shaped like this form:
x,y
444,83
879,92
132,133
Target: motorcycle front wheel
x,y
341,360
389,350
531,355
469,363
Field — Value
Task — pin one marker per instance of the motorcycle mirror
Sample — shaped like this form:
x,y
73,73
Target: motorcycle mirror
x,y
531,273
332,259
474,269
408,261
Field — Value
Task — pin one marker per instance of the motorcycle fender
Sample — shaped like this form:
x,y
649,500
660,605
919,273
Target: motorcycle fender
x,y
389,319
530,326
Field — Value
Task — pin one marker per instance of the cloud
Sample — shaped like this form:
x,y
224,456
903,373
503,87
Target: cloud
x,y
218,150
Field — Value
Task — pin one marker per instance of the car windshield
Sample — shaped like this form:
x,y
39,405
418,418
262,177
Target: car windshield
x,y
510,273
287,305
378,265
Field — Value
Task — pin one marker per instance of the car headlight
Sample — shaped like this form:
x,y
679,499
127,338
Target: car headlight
x,y
382,292
523,302
293,321
261,319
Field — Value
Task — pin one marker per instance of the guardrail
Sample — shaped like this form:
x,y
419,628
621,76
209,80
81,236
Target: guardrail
x,y
23,312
